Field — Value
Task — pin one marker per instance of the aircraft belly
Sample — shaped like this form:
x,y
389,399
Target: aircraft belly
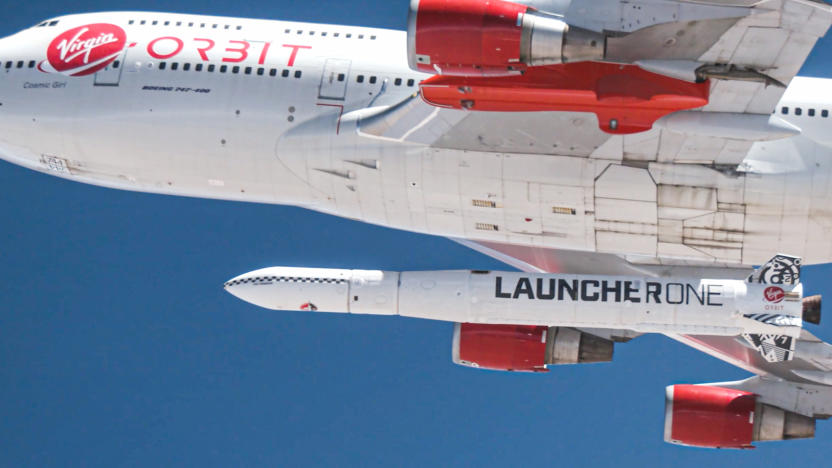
x,y
649,210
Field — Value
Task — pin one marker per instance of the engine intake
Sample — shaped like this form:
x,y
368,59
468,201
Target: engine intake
x,y
525,348
716,417
492,38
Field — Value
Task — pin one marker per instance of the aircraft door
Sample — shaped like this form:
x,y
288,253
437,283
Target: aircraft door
x,y
111,74
334,79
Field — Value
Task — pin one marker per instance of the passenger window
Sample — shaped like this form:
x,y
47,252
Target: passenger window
x,y
297,73
372,38
410,82
341,77
20,64
129,22
824,113
273,72
198,67
31,64
186,66
398,82
798,111
239,28
174,65
167,23
361,36
236,69
190,25
179,23
248,71
336,34
154,23
323,33
162,65
348,35
53,23
214,26
285,73
287,31
223,68
359,79
8,64
260,71
116,64
372,80
811,112
142,22
785,110
211,68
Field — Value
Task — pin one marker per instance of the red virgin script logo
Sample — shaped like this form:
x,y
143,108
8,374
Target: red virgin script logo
x,y
774,294
84,50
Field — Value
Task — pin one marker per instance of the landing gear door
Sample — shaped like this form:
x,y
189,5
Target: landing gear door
x,y
334,79
111,74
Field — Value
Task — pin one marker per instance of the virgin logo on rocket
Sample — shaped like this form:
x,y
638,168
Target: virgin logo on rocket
x,y
85,50
774,294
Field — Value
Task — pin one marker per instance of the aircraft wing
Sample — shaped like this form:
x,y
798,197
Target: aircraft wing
x,y
812,361
748,51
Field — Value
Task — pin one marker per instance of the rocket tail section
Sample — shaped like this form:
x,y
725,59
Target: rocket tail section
x,y
773,348
781,269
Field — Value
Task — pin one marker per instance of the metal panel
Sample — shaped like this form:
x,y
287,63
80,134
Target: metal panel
x,y
111,74
334,79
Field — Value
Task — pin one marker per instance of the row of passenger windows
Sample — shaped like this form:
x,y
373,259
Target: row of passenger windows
x,y
190,24
210,68
20,64
193,24
326,33
799,111
372,80
47,23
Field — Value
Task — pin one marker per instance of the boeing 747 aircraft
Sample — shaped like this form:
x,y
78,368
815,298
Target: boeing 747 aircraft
x,y
635,159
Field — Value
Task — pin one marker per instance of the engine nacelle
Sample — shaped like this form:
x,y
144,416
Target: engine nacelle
x,y
716,417
525,348
492,38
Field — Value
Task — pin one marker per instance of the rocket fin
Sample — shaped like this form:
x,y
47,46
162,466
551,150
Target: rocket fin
x,y
773,348
781,269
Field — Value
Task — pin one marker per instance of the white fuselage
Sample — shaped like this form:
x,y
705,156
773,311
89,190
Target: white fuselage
x,y
263,111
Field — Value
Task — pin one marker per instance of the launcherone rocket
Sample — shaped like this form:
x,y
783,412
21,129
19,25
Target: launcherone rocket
x,y
769,316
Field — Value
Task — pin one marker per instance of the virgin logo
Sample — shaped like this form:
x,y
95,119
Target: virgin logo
x,y
85,50
774,294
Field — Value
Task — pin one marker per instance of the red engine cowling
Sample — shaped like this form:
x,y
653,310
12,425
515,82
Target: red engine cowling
x,y
716,417
525,348
492,38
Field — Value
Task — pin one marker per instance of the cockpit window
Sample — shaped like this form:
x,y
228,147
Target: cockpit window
x,y
46,23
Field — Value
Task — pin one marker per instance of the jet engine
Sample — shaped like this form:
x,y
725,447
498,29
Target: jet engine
x,y
716,417
525,348
492,38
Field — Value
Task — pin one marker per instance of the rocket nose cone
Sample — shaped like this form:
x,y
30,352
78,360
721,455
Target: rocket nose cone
x,y
300,289
252,288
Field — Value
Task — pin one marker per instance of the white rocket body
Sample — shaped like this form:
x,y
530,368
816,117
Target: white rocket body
x,y
648,305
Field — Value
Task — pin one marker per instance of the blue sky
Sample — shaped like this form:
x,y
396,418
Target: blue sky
x,y
119,347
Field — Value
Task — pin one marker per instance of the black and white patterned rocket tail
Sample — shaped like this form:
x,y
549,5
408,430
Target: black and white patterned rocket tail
x,y
774,348
781,269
